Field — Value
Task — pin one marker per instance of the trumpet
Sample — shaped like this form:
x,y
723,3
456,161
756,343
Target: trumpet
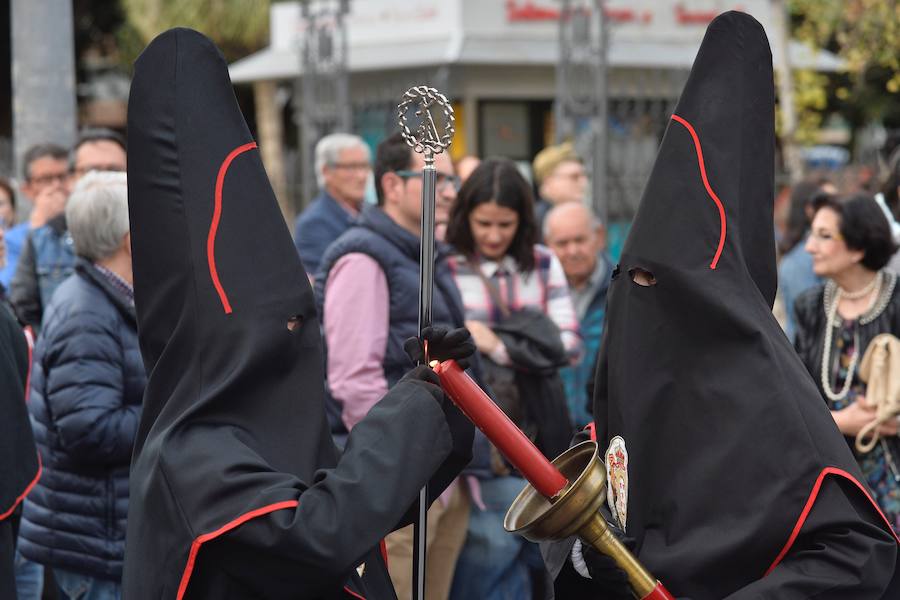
x,y
576,511
562,498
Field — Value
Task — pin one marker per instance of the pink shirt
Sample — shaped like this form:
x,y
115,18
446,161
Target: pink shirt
x,y
357,317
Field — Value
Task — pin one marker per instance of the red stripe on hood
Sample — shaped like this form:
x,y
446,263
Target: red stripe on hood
x,y
709,190
214,226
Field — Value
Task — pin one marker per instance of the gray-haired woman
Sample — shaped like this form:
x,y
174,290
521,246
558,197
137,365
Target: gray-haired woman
x,y
86,389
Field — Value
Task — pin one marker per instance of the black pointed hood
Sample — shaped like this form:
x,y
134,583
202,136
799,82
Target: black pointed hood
x,y
724,432
233,412
712,185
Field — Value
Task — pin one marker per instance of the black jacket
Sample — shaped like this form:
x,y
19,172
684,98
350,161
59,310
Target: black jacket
x,y
535,348
810,317
86,388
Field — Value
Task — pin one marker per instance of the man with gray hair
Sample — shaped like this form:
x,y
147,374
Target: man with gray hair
x,y
87,382
343,165
578,238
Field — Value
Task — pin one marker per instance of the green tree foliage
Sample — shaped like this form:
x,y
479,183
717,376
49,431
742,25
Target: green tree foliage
x,y
238,27
865,34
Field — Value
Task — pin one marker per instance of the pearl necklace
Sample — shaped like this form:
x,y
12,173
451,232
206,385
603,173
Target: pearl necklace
x,y
875,284
864,291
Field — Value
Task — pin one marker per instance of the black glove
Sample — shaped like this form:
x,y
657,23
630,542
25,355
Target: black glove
x,y
461,430
605,574
426,378
443,344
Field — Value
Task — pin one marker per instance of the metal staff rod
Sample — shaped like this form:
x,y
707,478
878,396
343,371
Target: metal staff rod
x,y
428,137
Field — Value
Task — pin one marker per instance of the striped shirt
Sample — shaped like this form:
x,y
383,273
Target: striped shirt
x,y
545,289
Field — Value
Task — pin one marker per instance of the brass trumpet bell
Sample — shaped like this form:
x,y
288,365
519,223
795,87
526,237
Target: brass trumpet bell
x,y
575,511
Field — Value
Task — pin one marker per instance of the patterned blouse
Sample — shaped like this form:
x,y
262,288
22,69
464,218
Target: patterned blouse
x,y
545,289
881,466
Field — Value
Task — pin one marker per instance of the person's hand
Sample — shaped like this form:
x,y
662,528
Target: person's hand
x,y
854,416
48,203
889,428
461,429
485,339
605,573
424,377
443,344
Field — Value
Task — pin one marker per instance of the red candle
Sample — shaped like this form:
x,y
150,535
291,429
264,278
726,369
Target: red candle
x,y
502,432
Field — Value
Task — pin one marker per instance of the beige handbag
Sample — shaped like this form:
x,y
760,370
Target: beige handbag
x,y
880,369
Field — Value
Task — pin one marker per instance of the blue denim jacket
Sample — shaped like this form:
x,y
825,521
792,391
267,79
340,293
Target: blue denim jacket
x,y
54,259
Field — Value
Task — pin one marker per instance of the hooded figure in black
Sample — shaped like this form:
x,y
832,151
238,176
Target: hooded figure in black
x,y
19,464
725,467
237,490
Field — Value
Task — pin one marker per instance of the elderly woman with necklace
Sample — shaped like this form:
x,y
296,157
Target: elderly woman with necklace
x,y
850,244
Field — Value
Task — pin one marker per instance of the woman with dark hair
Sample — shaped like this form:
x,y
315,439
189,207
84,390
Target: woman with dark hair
x,y
851,244
521,316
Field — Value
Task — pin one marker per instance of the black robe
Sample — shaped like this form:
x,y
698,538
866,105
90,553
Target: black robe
x,y
237,490
19,463
737,482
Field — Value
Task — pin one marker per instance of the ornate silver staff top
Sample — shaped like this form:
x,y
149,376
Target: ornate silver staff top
x,y
428,131
429,136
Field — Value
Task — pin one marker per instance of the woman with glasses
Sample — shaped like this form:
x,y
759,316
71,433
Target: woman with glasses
x,y
850,243
521,317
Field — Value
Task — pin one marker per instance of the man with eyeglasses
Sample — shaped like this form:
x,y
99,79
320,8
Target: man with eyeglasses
x,y
46,174
366,292
47,257
343,165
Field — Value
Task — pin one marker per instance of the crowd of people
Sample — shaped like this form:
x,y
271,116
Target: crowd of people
x,y
521,264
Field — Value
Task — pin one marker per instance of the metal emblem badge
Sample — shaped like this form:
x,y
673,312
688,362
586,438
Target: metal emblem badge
x,y
426,119
617,480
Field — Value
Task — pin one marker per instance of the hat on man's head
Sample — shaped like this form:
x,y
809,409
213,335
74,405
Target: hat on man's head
x,y
551,157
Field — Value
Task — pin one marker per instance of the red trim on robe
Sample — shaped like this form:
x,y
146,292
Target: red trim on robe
x,y
709,189
352,593
27,491
383,544
29,341
214,226
202,539
812,499
592,429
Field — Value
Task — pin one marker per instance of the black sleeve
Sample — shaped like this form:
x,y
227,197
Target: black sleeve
x,y
844,550
404,441
24,292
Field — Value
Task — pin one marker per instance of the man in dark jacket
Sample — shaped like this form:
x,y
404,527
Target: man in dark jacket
x,y
85,402
342,169
376,265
